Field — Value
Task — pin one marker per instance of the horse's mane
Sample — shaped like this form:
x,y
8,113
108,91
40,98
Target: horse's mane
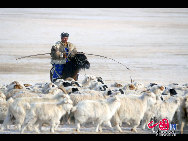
x,y
76,63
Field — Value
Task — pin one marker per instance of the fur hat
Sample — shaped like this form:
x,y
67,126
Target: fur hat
x,y
64,35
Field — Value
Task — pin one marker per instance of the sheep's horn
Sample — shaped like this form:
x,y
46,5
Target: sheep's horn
x,y
63,89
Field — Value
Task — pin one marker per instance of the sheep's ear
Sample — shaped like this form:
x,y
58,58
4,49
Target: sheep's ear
x,y
161,88
16,82
131,87
27,85
18,87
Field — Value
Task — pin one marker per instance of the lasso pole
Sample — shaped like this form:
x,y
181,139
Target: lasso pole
x,y
80,53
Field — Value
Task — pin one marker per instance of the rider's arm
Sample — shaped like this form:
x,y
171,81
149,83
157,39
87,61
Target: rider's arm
x,y
55,53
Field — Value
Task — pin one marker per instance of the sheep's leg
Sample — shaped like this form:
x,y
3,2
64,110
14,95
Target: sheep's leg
x,y
182,126
19,122
69,118
135,126
20,116
98,126
77,125
134,129
110,125
28,122
18,127
38,126
143,123
6,121
52,127
118,127
57,124
97,129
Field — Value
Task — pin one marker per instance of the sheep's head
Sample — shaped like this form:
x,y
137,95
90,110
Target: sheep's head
x,y
18,86
118,85
2,96
90,77
162,88
14,85
50,88
99,79
151,97
27,85
157,89
132,87
67,105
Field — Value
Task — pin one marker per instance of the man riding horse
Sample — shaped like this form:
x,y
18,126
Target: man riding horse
x,y
60,53
66,61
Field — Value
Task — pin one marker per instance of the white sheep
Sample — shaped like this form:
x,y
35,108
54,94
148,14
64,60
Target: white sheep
x,y
35,91
50,88
87,95
157,89
13,88
48,113
99,111
183,113
18,108
2,97
116,85
87,80
160,110
133,89
95,85
132,109
45,88
3,88
4,108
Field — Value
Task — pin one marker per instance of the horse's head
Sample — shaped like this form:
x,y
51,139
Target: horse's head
x,y
81,61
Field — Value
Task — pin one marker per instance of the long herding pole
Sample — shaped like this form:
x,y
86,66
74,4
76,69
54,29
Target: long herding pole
x,y
80,53
31,56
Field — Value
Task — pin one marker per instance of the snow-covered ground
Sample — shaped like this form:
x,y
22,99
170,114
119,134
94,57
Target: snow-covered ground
x,y
70,129
151,42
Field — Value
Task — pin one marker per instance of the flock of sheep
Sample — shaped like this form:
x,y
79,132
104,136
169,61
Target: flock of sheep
x,y
29,107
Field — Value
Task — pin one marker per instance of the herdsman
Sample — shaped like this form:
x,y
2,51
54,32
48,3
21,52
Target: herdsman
x,y
60,54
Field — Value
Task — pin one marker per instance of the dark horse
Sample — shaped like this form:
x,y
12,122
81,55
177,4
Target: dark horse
x,y
72,68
